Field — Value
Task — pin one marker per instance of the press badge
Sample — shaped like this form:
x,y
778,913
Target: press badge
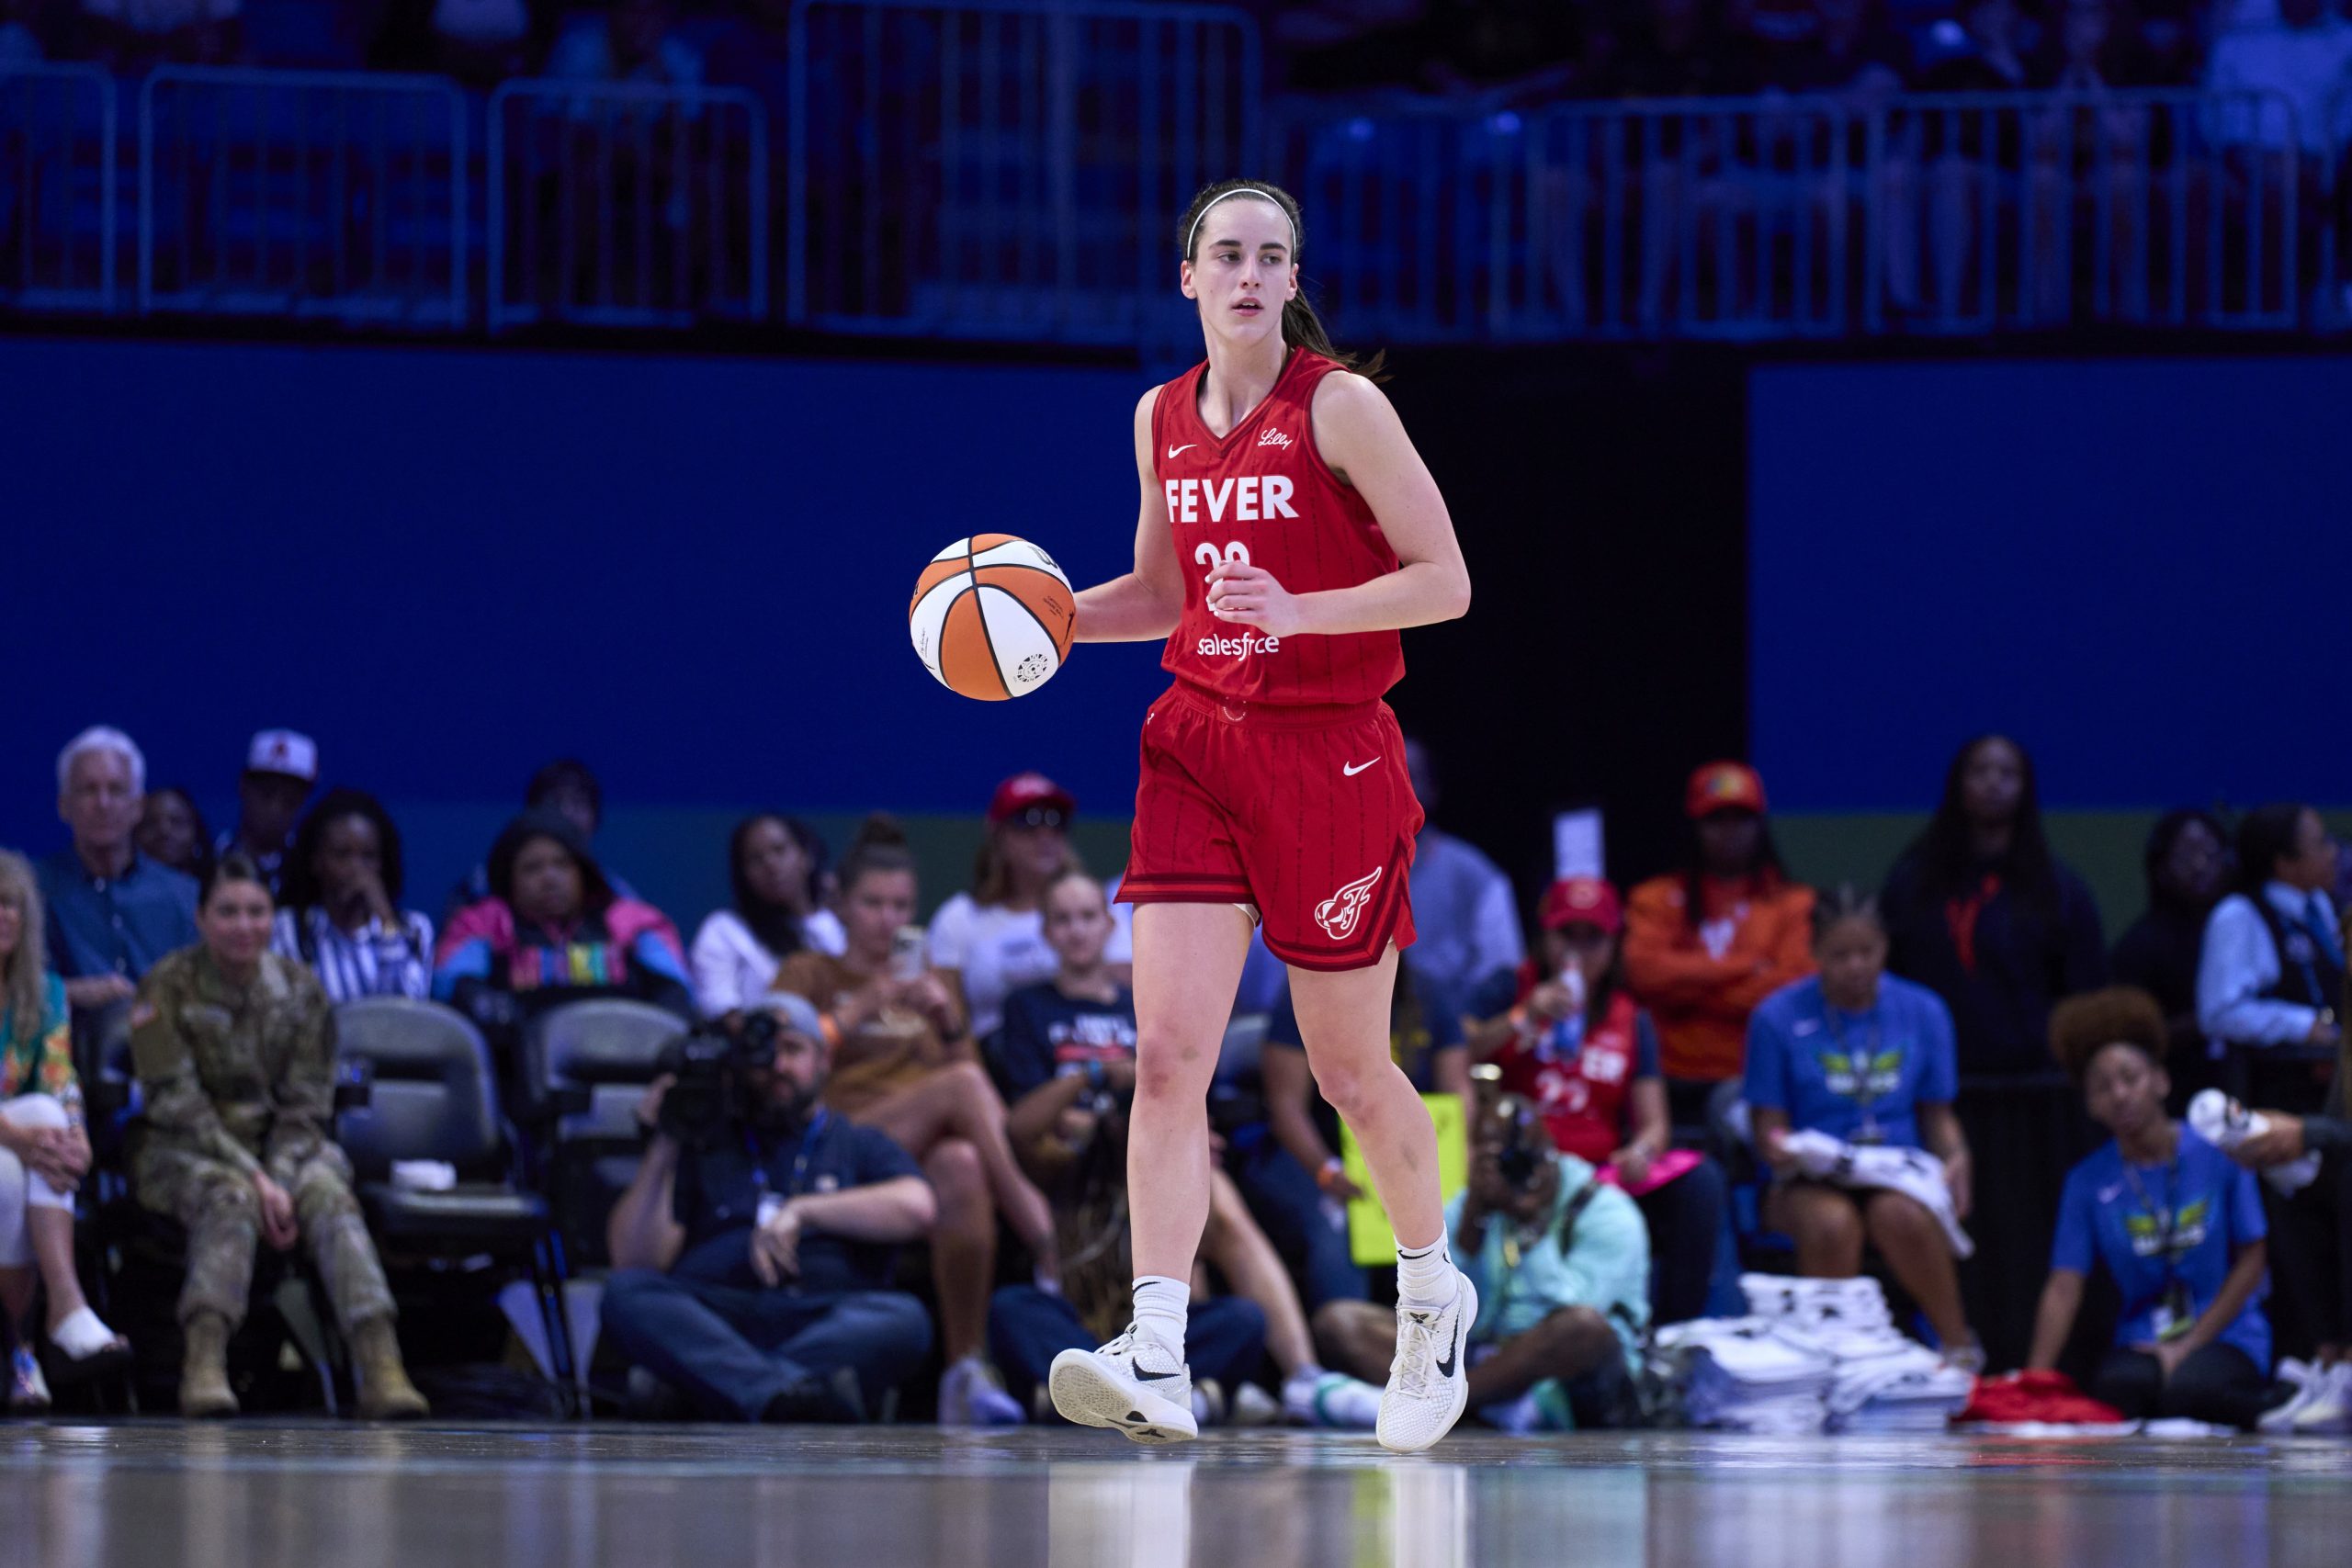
x,y
771,1205
2172,1318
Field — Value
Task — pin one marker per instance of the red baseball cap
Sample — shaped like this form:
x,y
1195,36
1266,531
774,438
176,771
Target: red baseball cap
x,y
1023,792
1723,786
1582,901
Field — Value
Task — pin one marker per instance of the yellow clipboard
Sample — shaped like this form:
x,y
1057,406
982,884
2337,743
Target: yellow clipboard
x,y
1371,1241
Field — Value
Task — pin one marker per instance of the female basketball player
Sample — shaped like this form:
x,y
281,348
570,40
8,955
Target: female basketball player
x,y
1289,531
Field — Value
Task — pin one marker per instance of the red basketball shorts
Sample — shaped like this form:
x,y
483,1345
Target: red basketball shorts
x,y
1305,812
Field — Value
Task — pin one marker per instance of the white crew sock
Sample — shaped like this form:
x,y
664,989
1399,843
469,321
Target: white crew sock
x,y
1160,1306
1426,1278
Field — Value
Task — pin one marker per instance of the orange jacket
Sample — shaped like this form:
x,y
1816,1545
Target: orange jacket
x,y
1698,1000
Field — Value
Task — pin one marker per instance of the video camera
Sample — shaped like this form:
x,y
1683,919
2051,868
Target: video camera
x,y
709,1068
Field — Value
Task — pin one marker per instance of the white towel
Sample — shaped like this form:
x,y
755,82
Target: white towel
x,y
1914,1173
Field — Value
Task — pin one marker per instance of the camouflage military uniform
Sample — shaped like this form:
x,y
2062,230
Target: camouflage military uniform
x,y
239,1079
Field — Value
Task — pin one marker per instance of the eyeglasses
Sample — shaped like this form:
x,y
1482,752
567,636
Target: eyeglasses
x,y
1040,816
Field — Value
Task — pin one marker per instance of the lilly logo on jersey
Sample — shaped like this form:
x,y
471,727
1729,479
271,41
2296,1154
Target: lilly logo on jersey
x,y
1338,914
1272,438
1252,497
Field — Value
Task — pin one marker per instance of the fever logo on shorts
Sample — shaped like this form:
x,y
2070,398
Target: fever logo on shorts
x,y
1338,914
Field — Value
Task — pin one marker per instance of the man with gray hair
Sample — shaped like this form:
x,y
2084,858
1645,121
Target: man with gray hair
x,y
112,911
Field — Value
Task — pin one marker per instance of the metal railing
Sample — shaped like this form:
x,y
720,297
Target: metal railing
x,y
57,198
627,206
1012,169
1004,168
303,194
1787,217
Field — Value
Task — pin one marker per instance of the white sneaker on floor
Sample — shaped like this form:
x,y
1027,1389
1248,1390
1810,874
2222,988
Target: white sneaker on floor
x,y
1131,1385
2330,1410
1317,1398
2301,1378
969,1395
1429,1383
1253,1406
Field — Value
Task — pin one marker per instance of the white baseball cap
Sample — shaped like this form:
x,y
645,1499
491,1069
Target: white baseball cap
x,y
284,752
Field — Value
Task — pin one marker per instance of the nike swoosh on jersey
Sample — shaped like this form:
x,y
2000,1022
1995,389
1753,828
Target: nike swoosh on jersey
x,y
1353,772
1180,451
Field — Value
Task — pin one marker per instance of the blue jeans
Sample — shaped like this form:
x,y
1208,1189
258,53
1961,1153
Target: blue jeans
x,y
1288,1207
732,1350
1225,1340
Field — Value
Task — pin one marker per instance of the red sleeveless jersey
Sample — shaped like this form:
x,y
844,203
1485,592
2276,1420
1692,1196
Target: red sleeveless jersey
x,y
1262,494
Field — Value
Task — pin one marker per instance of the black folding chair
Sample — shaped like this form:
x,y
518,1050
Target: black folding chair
x,y
432,1097
587,1065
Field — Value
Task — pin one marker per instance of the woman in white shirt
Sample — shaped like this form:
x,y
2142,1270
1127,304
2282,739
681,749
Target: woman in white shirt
x,y
775,865
991,941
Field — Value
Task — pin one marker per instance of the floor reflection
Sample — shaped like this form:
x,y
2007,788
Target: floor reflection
x,y
249,1496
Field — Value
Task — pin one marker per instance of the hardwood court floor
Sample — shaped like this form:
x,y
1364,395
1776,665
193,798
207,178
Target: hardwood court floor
x,y
321,1495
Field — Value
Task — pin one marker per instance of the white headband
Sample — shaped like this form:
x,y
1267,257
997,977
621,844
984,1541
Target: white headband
x,y
1243,190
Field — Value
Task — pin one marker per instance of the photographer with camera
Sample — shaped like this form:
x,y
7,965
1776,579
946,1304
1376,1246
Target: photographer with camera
x,y
1561,1262
754,1251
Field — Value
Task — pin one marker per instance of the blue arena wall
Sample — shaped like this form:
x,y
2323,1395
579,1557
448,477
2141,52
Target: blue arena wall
x,y
451,565
2137,566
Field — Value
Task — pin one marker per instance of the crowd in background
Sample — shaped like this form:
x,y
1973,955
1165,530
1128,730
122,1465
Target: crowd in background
x,y
1613,48
917,1191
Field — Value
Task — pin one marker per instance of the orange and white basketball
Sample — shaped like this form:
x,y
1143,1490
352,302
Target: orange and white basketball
x,y
991,617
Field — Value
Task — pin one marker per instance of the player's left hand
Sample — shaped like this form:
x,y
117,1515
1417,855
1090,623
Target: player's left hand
x,y
1248,596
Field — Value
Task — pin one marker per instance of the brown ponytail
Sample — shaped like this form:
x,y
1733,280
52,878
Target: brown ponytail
x,y
1302,328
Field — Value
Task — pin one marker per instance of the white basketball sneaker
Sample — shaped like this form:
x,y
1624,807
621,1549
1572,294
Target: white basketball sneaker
x,y
1130,1385
1429,1383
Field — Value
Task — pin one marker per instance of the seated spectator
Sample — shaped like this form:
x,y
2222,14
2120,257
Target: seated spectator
x,y
1981,912
2303,53
1561,1265
1290,1171
1470,942
554,930
342,915
633,41
172,832
991,941
1862,1057
752,1275
1984,52
2088,50
774,864
2313,1227
235,1052
1576,1048
1066,1061
903,1061
44,1153
1704,944
2272,968
21,34
566,786
2186,861
2177,1227
281,767
112,913
131,35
